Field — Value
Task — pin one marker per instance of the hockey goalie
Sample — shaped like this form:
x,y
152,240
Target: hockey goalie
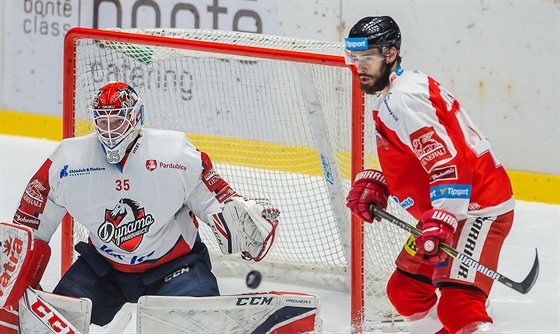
x,y
141,194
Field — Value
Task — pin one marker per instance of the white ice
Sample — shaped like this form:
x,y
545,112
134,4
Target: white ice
x,y
536,225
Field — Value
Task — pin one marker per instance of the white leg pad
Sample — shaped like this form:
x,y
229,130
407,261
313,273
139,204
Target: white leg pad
x,y
43,312
246,313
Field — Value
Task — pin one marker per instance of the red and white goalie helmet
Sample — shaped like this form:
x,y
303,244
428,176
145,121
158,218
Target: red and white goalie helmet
x,y
118,114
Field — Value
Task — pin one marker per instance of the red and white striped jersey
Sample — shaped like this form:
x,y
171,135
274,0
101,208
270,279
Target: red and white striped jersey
x,y
431,153
138,216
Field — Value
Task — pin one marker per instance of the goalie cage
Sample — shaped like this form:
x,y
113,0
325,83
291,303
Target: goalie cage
x,y
275,114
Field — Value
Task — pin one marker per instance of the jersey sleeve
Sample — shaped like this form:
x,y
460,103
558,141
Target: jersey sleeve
x,y
210,193
38,208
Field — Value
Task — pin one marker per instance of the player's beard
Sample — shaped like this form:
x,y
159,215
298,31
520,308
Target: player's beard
x,y
380,82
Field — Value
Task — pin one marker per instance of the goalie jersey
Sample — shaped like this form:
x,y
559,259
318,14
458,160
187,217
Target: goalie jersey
x,y
138,216
432,154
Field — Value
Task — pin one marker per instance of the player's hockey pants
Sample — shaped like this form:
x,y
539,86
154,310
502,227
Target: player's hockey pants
x,y
92,277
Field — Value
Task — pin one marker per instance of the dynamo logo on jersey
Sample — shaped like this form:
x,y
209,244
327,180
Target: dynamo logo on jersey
x,y
125,225
460,191
356,43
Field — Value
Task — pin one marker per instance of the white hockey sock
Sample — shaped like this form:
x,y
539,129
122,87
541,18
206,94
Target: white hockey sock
x,y
424,324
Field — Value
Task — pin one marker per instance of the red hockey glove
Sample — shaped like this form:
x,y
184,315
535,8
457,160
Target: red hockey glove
x,y
438,226
369,188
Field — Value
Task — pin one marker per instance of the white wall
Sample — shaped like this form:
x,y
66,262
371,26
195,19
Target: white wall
x,y
500,58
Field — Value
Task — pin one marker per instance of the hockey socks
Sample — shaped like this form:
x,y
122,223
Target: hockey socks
x,y
409,295
460,307
416,301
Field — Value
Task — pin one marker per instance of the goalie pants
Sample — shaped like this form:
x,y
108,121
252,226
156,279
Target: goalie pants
x,y
92,277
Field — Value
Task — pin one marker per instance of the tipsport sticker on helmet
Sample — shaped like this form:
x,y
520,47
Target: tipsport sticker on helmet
x,y
356,43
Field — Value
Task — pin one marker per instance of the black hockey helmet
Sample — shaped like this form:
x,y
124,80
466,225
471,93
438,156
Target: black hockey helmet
x,y
380,31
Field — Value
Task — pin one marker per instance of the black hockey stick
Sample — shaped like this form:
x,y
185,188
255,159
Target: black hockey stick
x,y
523,286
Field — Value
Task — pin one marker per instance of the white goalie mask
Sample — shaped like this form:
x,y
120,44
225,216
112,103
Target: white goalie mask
x,y
118,114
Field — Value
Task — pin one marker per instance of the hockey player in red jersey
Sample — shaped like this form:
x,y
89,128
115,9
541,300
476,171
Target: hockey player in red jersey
x,y
141,193
441,169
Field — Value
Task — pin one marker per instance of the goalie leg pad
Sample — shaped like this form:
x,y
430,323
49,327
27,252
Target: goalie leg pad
x,y
269,312
43,312
23,262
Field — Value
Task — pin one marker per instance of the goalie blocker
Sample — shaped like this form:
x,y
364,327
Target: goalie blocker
x,y
22,263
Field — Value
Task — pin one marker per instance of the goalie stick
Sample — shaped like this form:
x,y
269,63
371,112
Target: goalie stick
x,y
523,286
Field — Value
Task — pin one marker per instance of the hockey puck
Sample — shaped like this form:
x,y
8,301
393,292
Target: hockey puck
x,y
253,279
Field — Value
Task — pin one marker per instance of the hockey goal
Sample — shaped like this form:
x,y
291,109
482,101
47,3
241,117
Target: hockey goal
x,y
281,118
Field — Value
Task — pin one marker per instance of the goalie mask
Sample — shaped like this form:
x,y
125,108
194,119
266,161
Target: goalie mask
x,y
118,114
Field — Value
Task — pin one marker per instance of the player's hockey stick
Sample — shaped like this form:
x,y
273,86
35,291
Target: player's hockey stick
x,y
523,286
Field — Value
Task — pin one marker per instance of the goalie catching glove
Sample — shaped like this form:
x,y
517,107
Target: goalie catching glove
x,y
246,226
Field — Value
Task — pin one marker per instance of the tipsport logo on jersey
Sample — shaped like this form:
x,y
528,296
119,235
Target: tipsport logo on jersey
x,y
458,191
125,225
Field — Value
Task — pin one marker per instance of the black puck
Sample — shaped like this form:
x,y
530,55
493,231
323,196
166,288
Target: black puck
x,y
253,279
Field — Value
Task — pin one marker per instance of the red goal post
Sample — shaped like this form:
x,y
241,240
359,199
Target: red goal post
x,y
319,139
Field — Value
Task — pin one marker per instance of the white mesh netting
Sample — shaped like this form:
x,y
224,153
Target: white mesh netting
x,y
273,128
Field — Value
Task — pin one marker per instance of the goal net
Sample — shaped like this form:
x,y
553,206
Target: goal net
x,y
275,115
